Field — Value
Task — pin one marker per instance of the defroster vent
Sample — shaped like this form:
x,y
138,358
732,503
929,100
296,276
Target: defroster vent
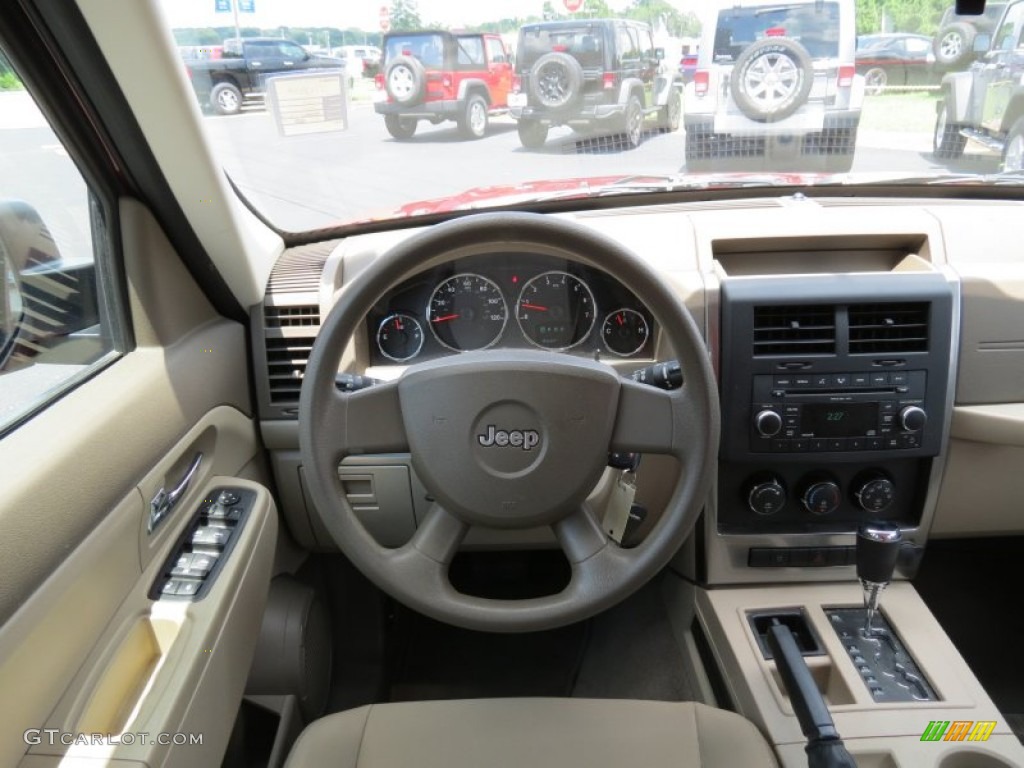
x,y
888,328
795,330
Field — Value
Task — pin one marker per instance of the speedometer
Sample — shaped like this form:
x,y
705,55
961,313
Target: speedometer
x,y
556,310
467,312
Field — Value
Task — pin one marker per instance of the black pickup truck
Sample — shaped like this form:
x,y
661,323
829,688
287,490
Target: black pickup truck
x,y
244,67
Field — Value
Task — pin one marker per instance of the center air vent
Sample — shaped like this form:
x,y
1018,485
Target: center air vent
x,y
795,330
888,328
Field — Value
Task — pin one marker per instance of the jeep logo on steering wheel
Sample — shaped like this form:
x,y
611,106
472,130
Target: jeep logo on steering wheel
x,y
527,439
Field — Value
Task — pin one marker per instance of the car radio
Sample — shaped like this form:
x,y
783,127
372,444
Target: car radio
x,y
851,411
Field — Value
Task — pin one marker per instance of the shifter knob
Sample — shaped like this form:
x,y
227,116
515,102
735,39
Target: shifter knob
x,y
878,548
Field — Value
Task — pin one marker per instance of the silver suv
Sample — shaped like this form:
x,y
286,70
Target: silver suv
x,y
776,84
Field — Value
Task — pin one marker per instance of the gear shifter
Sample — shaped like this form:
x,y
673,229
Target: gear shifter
x,y
878,547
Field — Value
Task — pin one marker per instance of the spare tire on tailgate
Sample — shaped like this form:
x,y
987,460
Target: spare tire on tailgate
x,y
954,45
556,80
772,79
405,80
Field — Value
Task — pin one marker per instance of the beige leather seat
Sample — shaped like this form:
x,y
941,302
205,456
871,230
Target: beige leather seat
x,y
532,733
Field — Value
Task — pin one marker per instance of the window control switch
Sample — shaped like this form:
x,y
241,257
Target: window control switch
x,y
211,536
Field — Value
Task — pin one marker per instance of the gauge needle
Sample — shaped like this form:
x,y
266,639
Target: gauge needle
x,y
620,318
534,306
445,318
398,323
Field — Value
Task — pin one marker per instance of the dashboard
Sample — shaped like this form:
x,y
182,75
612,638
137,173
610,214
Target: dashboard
x,y
514,300
863,374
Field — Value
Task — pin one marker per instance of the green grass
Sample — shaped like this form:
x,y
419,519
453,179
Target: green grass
x,y
912,112
10,82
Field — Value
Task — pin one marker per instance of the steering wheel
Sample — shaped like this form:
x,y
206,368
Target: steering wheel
x,y
508,438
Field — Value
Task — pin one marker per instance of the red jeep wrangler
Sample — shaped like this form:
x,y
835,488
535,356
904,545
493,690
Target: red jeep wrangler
x,y
437,75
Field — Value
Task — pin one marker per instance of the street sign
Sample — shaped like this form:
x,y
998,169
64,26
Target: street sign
x,y
572,6
385,19
246,6
222,6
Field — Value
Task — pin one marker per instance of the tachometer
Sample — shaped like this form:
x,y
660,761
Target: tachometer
x,y
625,332
400,337
556,310
467,312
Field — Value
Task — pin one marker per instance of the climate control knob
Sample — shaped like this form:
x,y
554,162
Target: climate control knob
x,y
875,493
913,419
822,497
767,423
767,497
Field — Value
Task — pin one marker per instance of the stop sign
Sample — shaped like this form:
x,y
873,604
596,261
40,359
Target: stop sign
x,y
573,5
385,19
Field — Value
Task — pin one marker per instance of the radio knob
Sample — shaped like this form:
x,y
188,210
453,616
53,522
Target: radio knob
x,y
768,423
822,497
913,419
767,498
875,493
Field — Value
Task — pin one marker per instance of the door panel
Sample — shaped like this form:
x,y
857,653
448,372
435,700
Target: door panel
x,y
79,634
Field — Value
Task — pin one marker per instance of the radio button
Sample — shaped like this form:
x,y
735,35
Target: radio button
x,y
912,440
841,380
856,444
879,379
792,409
898,379
791,421
876,443
887,406
800,446
780,446
821,381
892,442
860,379
819,445
888,418
782,381
837,444
802,382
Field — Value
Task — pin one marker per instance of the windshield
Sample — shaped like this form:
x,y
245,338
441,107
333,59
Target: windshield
x,y
328,114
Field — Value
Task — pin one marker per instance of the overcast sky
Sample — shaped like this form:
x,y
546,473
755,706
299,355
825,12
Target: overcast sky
x,y
355,13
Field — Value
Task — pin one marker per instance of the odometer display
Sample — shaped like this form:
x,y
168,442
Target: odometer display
x,y
556,310
467,312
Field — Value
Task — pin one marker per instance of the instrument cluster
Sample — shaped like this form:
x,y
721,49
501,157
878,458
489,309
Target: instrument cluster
x,y
518,300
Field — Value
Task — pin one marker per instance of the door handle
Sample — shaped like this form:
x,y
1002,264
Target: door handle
x,y
165,500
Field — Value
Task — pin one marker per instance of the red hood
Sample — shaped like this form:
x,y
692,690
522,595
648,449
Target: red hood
x,y
582,187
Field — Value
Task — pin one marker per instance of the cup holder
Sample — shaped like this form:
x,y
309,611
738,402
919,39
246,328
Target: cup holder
x,y
973,758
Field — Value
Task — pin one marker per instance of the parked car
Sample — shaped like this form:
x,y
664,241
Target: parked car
x,y
243,69
360,60
436,75
776,83
597,76
953,44
986,102
897,59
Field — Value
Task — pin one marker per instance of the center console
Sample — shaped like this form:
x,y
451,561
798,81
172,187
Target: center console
x,y
835,396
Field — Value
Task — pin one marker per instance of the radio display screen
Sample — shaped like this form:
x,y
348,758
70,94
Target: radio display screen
x,y
839,419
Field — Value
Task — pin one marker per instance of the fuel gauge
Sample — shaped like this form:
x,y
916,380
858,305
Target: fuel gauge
x,y
625,332
400,337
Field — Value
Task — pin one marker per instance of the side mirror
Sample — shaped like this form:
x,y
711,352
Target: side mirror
x,y
11,307
982,43
659,53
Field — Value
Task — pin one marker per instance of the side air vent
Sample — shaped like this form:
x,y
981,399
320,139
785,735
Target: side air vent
x,y
286,365
888,328
291,317
795,330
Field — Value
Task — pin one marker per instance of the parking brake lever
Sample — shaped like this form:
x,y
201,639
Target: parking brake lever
x,y
824,747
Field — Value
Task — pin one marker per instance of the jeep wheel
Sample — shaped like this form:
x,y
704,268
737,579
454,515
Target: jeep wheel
x,y
532,133
404,80
1013,150
954,45
947,141
473,120
226,99
875,81
402,128
668,120
772,79
633,127
556,80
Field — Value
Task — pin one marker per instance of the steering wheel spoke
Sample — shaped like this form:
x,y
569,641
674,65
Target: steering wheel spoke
x,y
439,535
367,421
646,421
580,535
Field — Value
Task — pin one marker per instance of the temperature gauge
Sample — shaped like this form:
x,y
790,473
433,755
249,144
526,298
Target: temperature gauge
x,y
400,337
625,332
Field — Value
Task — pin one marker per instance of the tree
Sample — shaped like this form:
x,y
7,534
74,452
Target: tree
x,y
405,16
662,13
